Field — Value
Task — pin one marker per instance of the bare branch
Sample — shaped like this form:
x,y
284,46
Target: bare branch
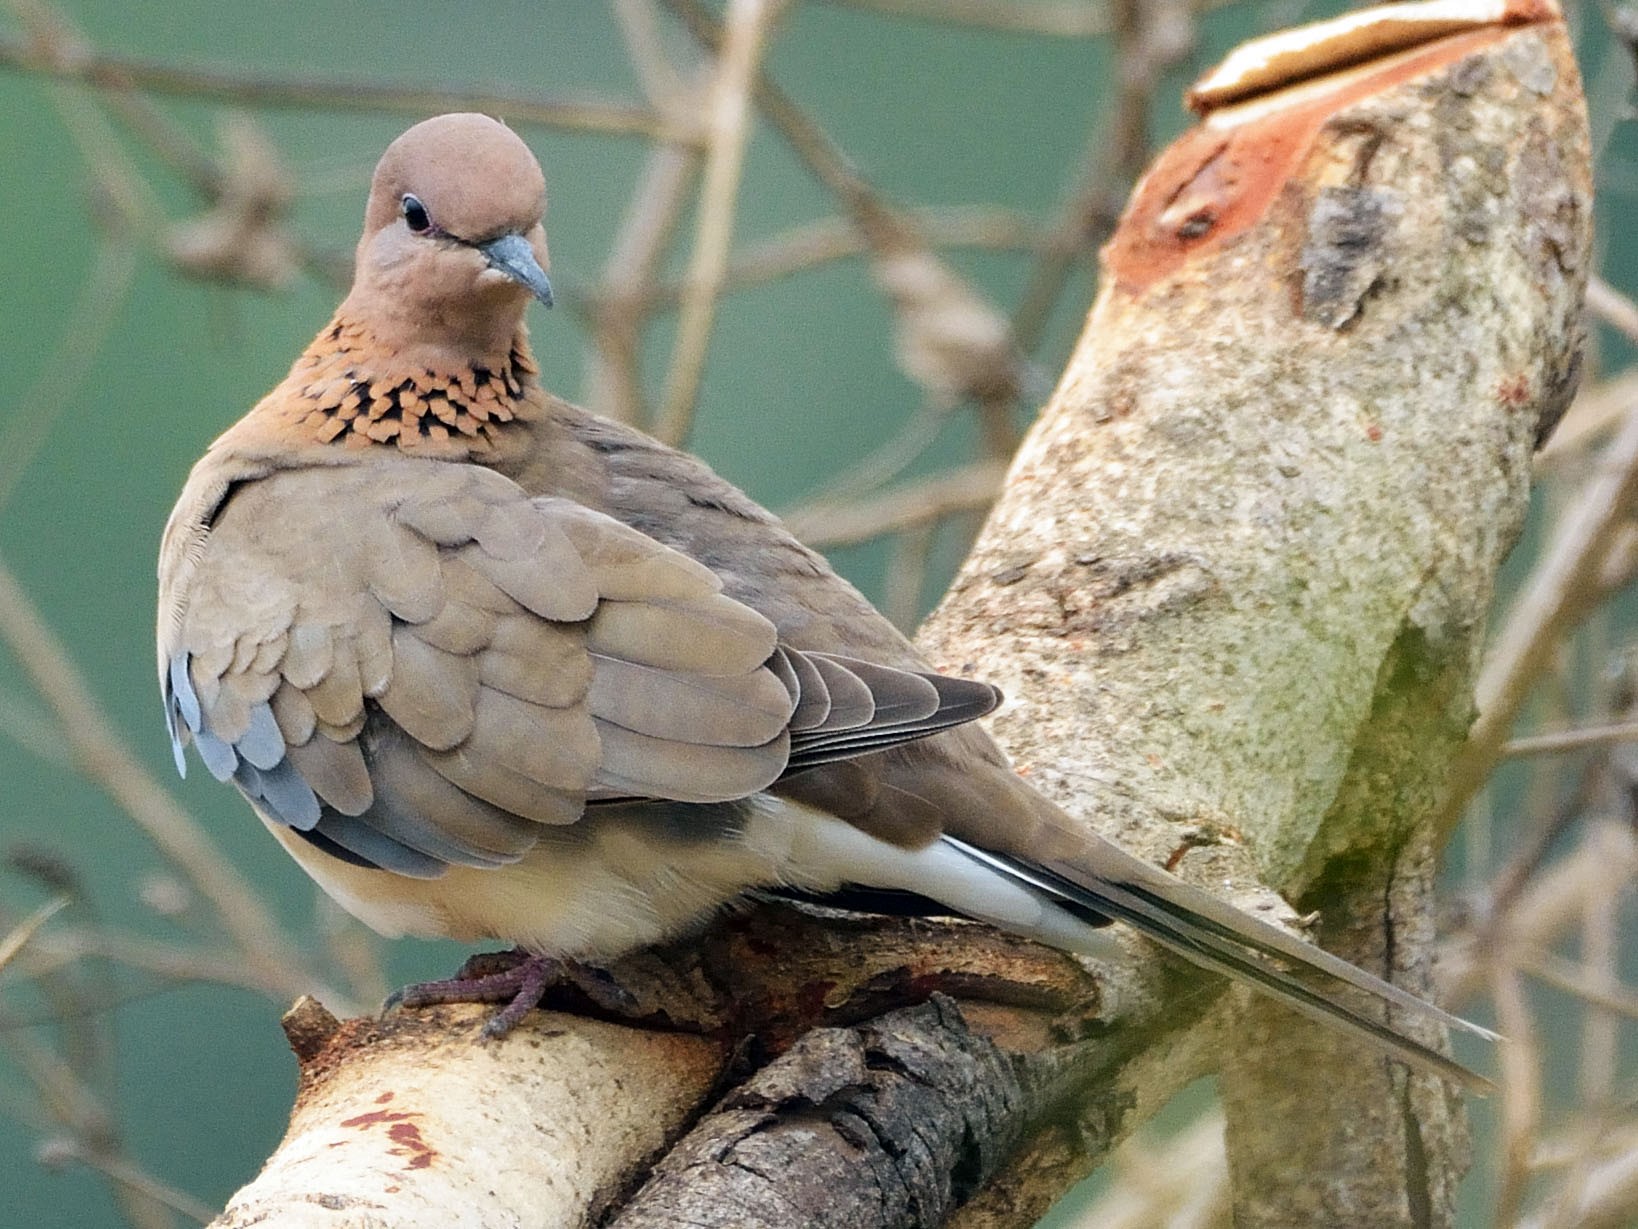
x,y
1592,417
104,758
1555,741
1071,20
620,306
948,337
1151,36
244,88
1564,587
1615,309
728,110
1053,18
129,1177
835,522
13,940
1179,1183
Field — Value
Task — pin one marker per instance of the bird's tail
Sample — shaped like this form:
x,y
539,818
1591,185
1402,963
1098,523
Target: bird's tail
x,y
1215,935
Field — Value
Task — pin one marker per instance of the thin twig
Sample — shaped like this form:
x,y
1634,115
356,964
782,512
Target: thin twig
x,y
86,328
619,308
1573,979
816,150
50,30
1061,20
1085,218
645,48
76,1000
881,465
814,244
89,1122
1597,410
1563,588
1556,741
30,730
1606,303
1527,918
949,337
1608,1198
14,939
1151,36
1600,1029
1560,1149
168,962
804,247
907,575
116,72
64,1097
728,126
826,523
1179,1182
103,757
214,181
1520,1100
125,1173
352,948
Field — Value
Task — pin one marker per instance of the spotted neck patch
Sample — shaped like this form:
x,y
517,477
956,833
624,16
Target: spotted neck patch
x,y
340,400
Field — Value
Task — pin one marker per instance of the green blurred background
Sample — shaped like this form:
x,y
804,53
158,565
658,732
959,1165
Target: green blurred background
x,y
115,371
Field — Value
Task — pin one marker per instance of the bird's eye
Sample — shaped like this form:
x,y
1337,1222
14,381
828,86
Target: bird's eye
x,y
415,214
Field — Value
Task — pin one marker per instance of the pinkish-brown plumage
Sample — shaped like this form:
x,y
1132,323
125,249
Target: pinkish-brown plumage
x,y
492,667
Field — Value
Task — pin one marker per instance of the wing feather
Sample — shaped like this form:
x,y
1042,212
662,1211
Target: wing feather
x,y
414,665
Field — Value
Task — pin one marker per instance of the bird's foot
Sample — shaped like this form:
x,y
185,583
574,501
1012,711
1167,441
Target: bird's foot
x,y
520,980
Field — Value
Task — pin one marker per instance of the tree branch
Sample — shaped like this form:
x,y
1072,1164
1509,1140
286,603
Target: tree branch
x,y
1234,588
67,62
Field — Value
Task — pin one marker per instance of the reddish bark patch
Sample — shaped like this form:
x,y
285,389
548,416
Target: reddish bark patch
x,y
1514,392
375,1117
1220,179
408,1138
401,1130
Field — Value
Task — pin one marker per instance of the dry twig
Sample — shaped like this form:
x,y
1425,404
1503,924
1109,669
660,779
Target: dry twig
x,y
727,127
243,88
104,758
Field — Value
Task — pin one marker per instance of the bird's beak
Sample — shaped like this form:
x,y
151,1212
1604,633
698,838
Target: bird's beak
x,y
512,255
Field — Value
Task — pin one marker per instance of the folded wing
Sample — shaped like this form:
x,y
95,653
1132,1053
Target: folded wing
x,y
415,665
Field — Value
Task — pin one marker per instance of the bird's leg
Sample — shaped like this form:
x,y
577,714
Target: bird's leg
x,y
515,978
518,979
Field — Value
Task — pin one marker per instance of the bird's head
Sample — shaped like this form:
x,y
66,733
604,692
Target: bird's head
x,y
453,245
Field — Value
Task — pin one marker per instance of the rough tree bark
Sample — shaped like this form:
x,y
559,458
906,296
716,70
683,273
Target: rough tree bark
x,y
1235,590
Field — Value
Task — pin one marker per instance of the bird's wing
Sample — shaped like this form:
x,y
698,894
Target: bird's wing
x,y
414,665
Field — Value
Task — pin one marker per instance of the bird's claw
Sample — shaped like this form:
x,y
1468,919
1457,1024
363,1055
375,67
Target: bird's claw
x,y
519,981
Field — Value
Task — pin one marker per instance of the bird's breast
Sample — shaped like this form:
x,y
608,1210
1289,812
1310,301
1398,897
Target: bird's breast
x,y
622,878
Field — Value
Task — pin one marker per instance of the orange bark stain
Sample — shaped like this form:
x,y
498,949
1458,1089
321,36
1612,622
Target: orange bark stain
x,y
408,1138
1219,179
1514,391
401,1130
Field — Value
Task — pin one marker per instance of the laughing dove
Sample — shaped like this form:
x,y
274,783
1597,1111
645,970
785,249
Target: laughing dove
x,y
492,667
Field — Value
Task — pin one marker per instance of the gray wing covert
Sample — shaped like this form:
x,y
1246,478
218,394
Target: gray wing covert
x,y
415,665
